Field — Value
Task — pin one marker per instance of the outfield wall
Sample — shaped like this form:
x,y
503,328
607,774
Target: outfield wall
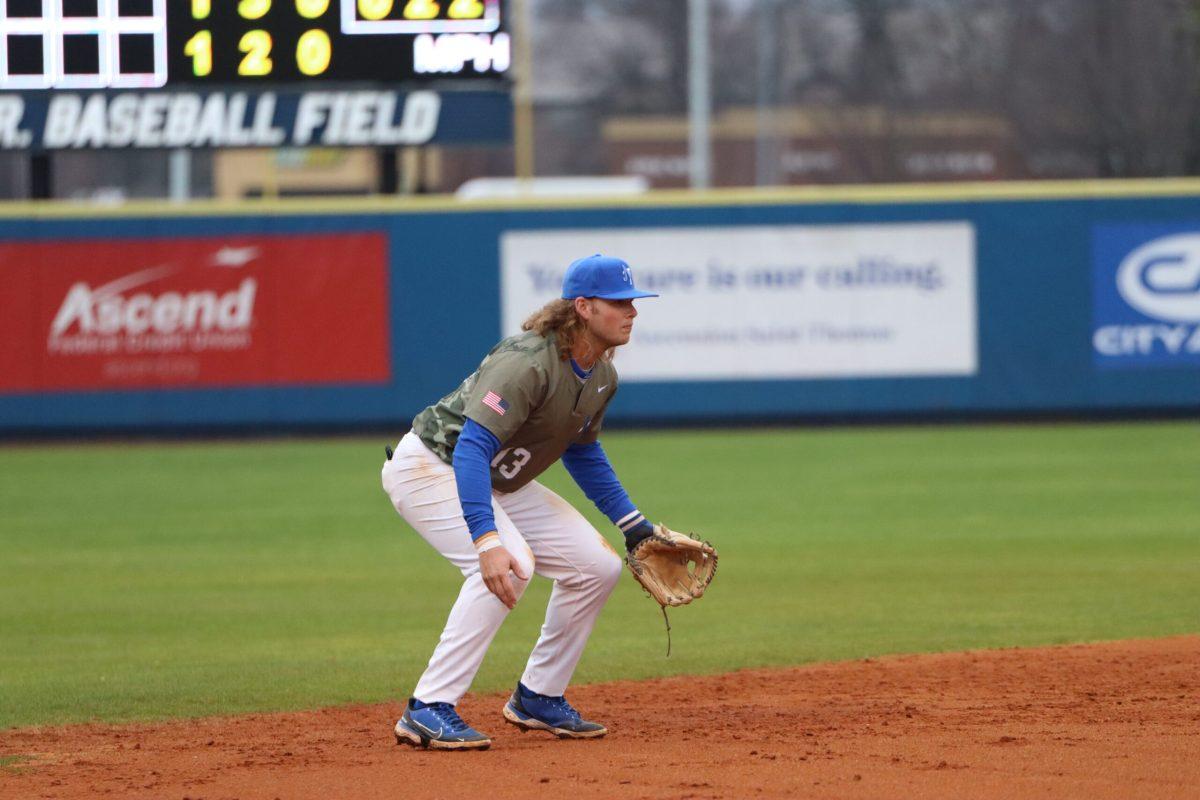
x,y
921,301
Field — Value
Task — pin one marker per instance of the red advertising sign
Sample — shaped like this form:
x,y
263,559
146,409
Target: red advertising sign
x,y
177,313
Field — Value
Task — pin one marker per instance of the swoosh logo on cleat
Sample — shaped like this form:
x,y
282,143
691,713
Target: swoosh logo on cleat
x,y
428,730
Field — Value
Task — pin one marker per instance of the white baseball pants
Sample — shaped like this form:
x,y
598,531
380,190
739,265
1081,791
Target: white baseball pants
x,y
543,532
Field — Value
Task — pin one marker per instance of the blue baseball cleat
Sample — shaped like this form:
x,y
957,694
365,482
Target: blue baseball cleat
x,y
437,726
532,711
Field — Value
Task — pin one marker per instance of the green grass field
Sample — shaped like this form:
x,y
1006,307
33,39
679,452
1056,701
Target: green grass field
x,y
152,580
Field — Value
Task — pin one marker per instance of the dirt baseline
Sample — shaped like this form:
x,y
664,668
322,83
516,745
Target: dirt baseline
x,y
1117,720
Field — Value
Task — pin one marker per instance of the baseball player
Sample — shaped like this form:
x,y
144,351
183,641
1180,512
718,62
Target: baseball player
x,y
464,479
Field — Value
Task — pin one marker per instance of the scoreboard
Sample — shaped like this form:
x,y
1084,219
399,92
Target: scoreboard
x,y
118,74
153,44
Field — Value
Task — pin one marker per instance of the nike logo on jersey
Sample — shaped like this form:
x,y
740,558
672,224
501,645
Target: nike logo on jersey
x,y
602,388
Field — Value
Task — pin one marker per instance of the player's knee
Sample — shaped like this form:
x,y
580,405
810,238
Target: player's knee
x,y
520,583
527,563
609,571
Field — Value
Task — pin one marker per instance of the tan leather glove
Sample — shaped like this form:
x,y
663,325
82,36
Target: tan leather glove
x,y
673,567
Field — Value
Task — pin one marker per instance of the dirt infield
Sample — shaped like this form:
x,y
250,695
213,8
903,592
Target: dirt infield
x,y
1118,720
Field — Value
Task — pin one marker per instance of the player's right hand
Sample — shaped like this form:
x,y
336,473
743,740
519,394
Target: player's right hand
x,y
495,565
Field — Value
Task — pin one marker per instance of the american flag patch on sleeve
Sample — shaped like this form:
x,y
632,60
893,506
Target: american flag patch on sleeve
x,y
495,402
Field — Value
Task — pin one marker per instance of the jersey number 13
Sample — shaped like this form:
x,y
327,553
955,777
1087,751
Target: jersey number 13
x,y
509,467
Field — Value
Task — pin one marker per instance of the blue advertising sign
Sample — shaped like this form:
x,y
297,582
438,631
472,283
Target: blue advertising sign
x,y
1146,295
868,305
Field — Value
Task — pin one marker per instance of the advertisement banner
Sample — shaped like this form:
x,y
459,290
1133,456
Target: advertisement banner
x,y
194,312
774,302
1146,296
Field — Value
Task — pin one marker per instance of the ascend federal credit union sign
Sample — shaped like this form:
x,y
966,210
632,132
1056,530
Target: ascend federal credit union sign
x,y
799,301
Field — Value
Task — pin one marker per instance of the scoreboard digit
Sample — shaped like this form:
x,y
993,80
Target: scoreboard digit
x,y
311,9
314,52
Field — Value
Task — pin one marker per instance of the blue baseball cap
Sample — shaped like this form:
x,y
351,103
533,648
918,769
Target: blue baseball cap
x,y
600,276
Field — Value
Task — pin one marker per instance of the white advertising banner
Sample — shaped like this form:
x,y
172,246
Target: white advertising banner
x,y
800,301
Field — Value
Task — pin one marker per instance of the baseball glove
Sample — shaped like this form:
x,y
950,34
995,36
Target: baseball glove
x,y
673,567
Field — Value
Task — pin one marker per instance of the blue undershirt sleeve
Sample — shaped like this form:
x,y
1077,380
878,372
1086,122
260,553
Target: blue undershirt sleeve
x,y
473,454
589,466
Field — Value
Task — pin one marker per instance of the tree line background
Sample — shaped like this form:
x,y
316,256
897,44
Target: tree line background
x,y
1075,88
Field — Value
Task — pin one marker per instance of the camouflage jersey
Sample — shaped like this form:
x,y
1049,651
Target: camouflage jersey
x,y
530,399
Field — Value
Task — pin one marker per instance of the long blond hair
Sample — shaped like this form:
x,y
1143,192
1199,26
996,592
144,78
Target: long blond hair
x,y
559,316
